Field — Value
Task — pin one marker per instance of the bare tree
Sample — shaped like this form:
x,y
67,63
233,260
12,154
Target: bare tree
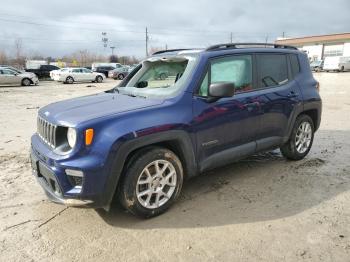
x,y
3,58
19,57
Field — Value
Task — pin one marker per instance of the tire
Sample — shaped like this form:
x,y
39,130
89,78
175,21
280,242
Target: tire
x,y
99,79
26,82
301,139
342,69
120,77
152,198
69,80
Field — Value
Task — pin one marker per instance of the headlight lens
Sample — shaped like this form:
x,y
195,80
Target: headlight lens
x,y
71,137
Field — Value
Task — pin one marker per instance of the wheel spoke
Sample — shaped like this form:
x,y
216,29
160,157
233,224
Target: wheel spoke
x,y
146,192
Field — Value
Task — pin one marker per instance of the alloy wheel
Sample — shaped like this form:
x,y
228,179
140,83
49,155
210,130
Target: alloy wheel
x,y
156,184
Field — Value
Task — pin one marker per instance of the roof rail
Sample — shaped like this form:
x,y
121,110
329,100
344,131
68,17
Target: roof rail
x,y
169,50
236,45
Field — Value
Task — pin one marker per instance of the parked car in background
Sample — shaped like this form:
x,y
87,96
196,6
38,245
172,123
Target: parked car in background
x,y
53,73
119,73
114,65
317,66
19,71
11,77
336,63
103,69
43,71
71,75
138,142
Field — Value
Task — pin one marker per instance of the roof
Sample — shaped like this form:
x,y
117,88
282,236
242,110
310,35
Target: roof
x,y
314,39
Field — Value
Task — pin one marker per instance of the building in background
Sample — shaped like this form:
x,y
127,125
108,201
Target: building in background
x,y
321,46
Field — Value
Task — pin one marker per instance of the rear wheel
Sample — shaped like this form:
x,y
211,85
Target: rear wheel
x,y
26,82
69,80
152,182
300,141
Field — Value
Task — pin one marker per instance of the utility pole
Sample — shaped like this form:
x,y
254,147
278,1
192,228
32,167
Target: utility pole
x,y
283,35
166,46
147,42
231,37
112,47
266,39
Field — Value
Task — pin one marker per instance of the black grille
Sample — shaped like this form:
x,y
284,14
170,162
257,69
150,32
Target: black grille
x,y
47,132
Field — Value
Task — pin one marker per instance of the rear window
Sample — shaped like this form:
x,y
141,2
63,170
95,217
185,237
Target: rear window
x,y
273,70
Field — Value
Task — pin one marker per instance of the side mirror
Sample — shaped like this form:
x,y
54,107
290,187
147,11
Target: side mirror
x,y
220,90
142,84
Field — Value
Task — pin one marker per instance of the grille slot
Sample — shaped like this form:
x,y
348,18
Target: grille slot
x,y
47,132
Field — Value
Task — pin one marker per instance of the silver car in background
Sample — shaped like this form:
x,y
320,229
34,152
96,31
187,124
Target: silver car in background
x,y
9,76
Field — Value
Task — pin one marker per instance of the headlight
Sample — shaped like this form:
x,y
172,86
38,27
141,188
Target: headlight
x,y
71,137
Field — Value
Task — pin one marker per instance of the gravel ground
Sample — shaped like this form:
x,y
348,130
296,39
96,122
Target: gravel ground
x,y
263,208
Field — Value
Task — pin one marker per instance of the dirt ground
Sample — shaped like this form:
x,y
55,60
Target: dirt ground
x,y
260,209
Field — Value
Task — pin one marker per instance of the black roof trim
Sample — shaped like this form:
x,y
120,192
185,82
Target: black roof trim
x,y
170,50
236,45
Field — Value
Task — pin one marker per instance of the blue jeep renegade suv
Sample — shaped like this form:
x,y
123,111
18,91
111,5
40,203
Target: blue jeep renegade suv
x,y
140,140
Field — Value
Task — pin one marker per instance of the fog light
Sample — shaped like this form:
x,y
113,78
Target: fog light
x,y
71,172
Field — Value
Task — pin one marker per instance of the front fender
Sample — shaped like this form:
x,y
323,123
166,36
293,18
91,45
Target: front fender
x,y
125,146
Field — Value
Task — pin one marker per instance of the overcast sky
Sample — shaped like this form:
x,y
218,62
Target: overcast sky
x,y
59,27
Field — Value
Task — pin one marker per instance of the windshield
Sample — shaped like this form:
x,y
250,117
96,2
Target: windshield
x,y
160,77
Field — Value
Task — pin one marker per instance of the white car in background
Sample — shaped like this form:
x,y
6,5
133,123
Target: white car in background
x,y
11,77
71,75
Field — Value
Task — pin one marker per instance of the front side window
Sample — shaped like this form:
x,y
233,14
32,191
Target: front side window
x,y
160,77
235,69
273,70
8,72
76,70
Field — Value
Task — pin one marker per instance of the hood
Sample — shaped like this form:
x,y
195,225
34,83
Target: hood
x,y
27,74
74,111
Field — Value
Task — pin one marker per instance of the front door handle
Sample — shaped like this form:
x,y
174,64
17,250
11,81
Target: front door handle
x,y
251,106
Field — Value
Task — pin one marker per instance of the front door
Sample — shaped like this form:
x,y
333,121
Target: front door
x,y
226,128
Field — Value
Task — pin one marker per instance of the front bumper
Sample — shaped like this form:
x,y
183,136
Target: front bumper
x,y
47,179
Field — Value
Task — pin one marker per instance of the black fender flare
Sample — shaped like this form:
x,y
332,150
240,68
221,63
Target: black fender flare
x,y
121,151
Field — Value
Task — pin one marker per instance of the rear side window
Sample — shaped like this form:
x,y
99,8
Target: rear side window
x,y
294,62
273,70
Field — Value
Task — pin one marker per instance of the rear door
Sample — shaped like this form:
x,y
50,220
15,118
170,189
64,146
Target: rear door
x,y
278,94
226,129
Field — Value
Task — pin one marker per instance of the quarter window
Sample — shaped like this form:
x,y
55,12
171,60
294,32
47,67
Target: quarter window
x,y
294,64
236,69
273,70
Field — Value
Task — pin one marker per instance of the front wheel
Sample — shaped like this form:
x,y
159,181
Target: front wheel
x,y
99,79
26,82
151,183
300,141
